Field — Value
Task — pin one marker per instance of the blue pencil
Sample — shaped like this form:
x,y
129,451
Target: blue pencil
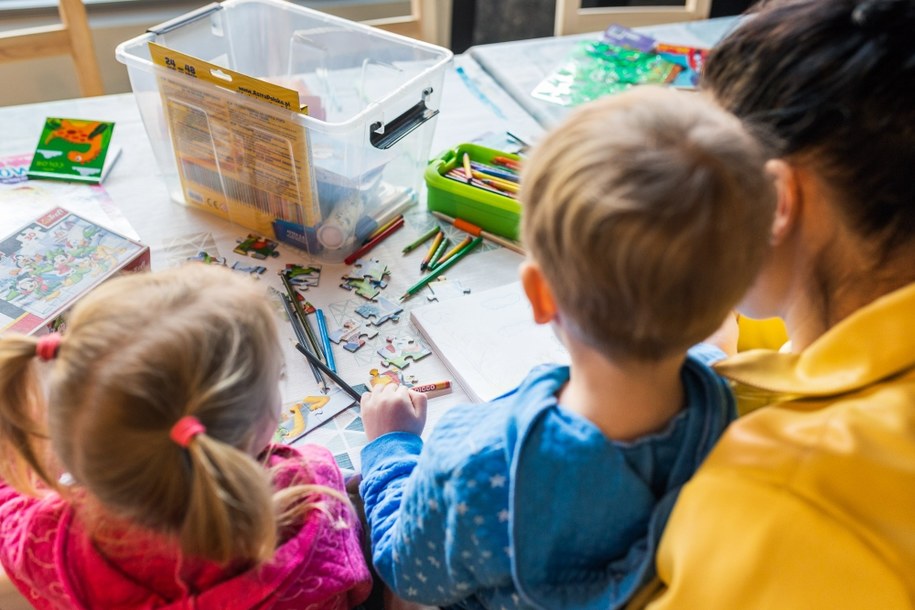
x,y
325,340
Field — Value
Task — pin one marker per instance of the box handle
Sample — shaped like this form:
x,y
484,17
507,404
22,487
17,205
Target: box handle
x,y
167,26
385,136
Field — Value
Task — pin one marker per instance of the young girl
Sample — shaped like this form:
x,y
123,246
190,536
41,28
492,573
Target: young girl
x,y
140,474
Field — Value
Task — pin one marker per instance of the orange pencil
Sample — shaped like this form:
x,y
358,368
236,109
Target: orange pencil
x,y
506,162
435,244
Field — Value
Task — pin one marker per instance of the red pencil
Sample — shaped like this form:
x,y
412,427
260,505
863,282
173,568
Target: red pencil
x,y
352,258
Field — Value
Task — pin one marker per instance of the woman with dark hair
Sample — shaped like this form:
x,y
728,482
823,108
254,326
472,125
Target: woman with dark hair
x,y
809,502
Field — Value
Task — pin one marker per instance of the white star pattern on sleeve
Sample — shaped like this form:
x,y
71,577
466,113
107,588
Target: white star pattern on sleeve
x,y
497,480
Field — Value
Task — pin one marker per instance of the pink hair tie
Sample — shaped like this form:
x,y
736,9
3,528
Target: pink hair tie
x,y
47,346
185,429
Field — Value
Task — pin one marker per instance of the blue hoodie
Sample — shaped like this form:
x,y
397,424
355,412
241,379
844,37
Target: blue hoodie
x,y
519,503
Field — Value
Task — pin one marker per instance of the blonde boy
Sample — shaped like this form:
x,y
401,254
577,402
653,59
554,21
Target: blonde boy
x,y
646,216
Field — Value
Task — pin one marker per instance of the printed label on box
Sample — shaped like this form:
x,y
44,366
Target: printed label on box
x,y
237,157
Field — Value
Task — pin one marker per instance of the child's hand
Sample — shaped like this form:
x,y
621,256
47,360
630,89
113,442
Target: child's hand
x,y
392,408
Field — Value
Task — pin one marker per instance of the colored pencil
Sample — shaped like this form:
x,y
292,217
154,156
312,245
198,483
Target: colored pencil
x,y
435,244
444,257
300,337
502,186
325,340
336,378
440,269
352,258
458,175
438,253
506,162
383,227
476,231
498,173
496,182
421,240
302,316
467,169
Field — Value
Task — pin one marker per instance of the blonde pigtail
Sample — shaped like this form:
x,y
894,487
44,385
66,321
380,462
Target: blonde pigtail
x,y
230,513
22,412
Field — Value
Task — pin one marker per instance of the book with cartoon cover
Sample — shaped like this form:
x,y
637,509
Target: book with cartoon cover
x,y
75,150
47,264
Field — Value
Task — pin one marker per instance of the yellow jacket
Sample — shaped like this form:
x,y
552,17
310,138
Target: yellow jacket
x,y
810,502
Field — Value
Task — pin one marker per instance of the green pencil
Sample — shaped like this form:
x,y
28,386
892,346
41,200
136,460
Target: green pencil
x,y
440,269
442,247
423,239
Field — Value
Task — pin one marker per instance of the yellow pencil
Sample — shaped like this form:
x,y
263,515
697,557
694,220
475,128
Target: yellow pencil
x,y
435,244
450,253
467,171
505,185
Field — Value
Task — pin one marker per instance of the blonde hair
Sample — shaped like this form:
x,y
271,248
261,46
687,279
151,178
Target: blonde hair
x,y
649,214
140,352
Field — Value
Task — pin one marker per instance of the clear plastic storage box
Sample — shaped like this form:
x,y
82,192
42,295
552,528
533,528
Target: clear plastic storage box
x,y
323,180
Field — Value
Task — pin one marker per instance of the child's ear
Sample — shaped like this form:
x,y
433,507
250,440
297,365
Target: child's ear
x,y
538,292
788,194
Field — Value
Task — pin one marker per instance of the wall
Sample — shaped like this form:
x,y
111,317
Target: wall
x,y
51,78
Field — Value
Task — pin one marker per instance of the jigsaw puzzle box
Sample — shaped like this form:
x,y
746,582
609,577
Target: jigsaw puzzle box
x,y
49,263
328,165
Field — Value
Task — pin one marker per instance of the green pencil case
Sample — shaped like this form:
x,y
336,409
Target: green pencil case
x,y
490,211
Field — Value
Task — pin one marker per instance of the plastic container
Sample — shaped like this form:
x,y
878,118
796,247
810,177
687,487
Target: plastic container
x,y
490,211
331,176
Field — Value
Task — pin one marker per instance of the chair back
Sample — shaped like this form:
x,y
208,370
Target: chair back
x,y
429,20
70,37
571,18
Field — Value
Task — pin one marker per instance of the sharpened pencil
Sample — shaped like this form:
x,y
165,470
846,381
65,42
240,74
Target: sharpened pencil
x,y
421,240
435,244
440,269
300,337
336,378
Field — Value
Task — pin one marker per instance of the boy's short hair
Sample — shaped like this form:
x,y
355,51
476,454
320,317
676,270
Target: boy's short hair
x,y
649,213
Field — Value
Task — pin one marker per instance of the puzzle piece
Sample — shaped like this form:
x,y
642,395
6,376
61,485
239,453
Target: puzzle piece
x,y
254,270
399,349
256,246
383,310
204,257
390,376
302,276
443,289
351,334
382,378
303,416
366,288
368,268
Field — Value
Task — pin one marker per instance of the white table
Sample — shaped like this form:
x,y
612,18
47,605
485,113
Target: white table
x,y
471,105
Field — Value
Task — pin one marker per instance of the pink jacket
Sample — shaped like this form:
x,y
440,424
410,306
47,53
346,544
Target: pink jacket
x,y
50,557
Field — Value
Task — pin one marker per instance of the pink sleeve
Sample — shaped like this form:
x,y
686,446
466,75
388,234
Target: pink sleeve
x,y
28,527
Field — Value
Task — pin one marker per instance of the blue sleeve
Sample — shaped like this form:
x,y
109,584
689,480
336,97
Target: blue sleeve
x,y
423,540
706,353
